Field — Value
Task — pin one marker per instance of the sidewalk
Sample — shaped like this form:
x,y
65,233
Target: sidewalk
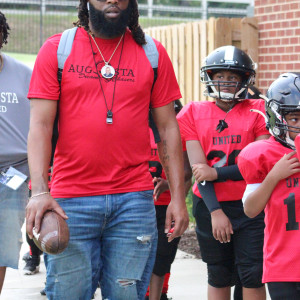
x,y
188,280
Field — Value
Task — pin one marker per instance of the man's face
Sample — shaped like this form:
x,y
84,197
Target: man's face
x,y
108,70
109,18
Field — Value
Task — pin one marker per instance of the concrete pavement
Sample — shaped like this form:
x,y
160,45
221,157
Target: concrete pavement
x,y
188,280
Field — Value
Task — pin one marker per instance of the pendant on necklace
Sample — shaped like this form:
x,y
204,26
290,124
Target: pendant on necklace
x,y
109,117
108,71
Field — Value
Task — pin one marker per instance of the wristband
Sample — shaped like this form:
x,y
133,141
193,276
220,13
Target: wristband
x,y
228,172
208,195
39,194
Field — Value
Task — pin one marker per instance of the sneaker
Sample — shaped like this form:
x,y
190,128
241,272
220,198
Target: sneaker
x,y
164,297
26,256
43,292
32,265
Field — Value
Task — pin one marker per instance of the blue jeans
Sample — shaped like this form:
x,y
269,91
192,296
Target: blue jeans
x,y
12,217
113,241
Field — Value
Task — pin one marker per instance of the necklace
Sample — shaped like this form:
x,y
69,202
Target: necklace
x,y
107,70
109,114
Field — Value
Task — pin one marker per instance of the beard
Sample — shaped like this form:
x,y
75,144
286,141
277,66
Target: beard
x,y
109,28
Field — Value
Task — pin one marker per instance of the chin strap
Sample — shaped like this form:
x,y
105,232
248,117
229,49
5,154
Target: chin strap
x,y
290,141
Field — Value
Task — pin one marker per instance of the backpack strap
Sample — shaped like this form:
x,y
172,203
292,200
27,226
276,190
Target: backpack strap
x,y
64,49
152,55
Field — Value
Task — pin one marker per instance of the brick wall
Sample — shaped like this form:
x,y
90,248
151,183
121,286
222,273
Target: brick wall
x,y
279,39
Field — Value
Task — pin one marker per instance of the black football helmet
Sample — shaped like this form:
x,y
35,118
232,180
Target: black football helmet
x,y
283,96
232,59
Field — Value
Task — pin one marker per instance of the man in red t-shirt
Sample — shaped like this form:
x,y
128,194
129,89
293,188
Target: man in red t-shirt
x,y
101,183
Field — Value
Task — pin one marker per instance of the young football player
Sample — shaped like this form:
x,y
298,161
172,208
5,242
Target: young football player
x,y
215,133
272,171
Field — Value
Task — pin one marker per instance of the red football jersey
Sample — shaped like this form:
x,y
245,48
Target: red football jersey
x,y
156,168
198,121
282,212
93,157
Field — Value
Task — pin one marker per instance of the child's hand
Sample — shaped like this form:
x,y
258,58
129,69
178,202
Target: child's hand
x,y
285,167
161,185
203,172
221,226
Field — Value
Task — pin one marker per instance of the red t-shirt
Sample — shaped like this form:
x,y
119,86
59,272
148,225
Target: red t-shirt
x,y
93,157
198,121
157,169
282,212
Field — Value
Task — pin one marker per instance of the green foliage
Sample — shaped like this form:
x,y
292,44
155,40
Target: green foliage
x,y
27,59
189,204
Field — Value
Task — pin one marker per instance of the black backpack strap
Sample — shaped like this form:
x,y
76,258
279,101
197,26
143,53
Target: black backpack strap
x,y
54,138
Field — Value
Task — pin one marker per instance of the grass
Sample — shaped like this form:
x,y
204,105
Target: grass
x,y
28,32
189,205
27,59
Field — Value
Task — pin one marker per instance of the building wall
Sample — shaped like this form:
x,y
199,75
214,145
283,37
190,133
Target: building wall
x,y
279,39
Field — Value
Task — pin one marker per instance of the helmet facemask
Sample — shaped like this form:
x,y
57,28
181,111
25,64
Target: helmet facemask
x,y
213,87
283,97
228,58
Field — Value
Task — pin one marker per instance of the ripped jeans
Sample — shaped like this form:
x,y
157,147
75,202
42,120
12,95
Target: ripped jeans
x,y
113,241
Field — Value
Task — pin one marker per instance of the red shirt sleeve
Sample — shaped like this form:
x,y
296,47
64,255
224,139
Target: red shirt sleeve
x,y
186,122
251,162
44,84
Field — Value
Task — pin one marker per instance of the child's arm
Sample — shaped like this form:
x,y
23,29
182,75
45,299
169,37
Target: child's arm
x,y
255,201
232,172
221,226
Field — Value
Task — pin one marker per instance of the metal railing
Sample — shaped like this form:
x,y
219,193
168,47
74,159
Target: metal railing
x,y
32,21
204,8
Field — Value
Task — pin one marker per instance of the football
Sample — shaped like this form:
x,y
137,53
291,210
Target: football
x,y
53,237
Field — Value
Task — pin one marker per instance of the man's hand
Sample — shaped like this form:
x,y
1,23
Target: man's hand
x,y
178,213
202,171
35,210
221,226
161,185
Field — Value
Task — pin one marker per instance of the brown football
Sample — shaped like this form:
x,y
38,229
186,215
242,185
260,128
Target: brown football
x,y
53,237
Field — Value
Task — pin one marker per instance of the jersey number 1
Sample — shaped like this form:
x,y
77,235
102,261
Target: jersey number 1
x,y
291,210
